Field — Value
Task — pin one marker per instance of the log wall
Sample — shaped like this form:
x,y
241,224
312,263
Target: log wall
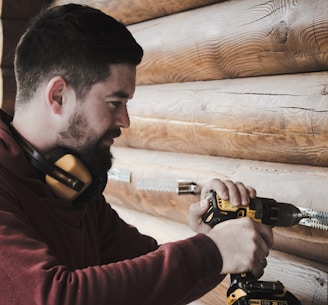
x,y
135,11
235,39
273,118
14,16
235,90
154,178
230,89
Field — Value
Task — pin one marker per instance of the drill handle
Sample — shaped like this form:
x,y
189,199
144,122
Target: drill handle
x,y
246,276
221,210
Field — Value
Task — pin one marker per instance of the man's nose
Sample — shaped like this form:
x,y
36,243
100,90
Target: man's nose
x,y
123,119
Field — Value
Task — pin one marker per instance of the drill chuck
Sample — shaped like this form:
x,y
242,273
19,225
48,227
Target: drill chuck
x,y
274,213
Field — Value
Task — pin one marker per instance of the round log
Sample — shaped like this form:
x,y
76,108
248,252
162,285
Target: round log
x,y
12,30
20,9
14,17
274,118
151,178
7,89
234,39
134,11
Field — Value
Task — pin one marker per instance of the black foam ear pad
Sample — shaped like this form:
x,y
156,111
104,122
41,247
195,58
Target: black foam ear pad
x,y
64,172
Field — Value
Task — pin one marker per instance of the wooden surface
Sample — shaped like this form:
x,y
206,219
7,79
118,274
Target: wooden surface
x,y
154,176
265,118
20,9
14,16
7,89
305,279
274,118
12,31
234,39
134,11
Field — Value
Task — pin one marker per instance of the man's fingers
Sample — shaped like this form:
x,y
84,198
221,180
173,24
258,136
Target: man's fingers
x,y
267,235
218,186
240,194
196,211
236,192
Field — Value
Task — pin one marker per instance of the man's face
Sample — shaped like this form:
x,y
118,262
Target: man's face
x,y
98,117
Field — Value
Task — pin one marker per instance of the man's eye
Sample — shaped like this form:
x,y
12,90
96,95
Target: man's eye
x,y
115,104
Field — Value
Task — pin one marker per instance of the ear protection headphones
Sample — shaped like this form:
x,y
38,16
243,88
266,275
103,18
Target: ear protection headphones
x,y
64,172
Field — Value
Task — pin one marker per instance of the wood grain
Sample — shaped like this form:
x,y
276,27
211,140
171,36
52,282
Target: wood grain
x,y
154,177
274,118
20,9
134,11
7,89
304,278
14,16
12,30
234,39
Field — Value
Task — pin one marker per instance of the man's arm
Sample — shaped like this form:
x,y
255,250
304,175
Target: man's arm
x,y
30,274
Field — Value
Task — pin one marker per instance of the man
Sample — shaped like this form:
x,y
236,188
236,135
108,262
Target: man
x,y
61,243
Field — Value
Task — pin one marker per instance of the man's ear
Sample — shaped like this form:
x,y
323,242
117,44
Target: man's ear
x,y
55,93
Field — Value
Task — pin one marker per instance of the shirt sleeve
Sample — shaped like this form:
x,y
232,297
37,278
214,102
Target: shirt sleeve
x,y
174,273
129,242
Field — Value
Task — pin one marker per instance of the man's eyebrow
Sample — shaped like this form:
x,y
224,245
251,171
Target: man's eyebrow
x,y
120,94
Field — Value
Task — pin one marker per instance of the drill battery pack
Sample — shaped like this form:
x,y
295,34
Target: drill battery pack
x,y
260,293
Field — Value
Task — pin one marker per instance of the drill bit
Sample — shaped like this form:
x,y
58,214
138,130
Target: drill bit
x,y
314,219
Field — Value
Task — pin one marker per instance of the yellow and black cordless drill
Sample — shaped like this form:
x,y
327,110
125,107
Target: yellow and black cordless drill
x,y
244,288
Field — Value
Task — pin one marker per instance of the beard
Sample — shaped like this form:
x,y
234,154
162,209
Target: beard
x,y
94,155
88,145
97,159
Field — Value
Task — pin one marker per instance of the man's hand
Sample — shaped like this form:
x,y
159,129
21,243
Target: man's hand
x,y
237,193
243,243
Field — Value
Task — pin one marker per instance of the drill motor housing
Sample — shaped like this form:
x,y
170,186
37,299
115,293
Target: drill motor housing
x,y
265,210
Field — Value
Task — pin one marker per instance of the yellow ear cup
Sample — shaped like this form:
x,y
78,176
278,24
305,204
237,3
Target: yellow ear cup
x,y
71,164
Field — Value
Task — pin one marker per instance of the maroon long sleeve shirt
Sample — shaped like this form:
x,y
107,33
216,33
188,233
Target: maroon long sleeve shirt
x,y
53,254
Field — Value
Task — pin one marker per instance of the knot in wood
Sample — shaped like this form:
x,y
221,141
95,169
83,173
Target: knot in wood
x,y
281,32
325,90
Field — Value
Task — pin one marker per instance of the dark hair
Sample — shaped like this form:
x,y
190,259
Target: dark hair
x,y
76,42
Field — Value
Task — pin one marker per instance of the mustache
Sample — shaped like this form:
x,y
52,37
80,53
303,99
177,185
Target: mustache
x,y
113,133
